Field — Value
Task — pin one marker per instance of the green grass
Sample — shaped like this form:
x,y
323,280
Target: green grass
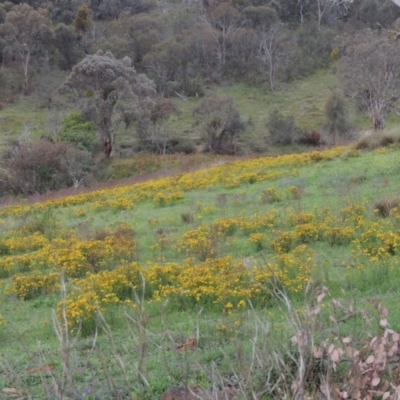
x,y
304,99
335,184
27,338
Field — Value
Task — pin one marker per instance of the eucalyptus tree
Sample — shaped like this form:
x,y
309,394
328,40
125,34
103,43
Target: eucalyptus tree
x,y
26,31
109,92
371,75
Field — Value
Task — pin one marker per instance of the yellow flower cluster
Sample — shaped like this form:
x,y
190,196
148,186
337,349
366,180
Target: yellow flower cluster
x,y
100,272
270,195
71,255
27,287
212,282
198,243
259,239
21,243
229,175
162,199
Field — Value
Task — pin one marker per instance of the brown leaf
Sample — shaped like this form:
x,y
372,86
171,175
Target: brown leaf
x,y
317,352
395,336
190,344
386,396
383,323
335,356
45,368
375,381
370,359
349,351
393,350
317,310
14,393
346,340
321,296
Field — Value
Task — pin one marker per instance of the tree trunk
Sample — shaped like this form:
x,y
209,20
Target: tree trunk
x,y
25,64
106,128
378,119
107,148
379,123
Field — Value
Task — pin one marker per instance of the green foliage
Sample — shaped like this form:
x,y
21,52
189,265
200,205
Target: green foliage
x,y
65,41
336,114
21,23
78,131
312,51
259,17
282,129
221,123
116,89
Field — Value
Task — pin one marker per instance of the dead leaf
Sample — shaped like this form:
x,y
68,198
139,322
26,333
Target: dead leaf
x,y
14,393
45,368
383,323
317,352
190,344
321,296
335,356
349,351
375,381
346,340
370,359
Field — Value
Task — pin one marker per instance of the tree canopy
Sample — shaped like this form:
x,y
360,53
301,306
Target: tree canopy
x,y
110,92
25,31
371,74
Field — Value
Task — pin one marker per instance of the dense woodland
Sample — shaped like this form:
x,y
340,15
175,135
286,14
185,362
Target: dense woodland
x,y
117,66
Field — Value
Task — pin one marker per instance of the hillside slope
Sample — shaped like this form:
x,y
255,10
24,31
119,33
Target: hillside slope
x,y
195,250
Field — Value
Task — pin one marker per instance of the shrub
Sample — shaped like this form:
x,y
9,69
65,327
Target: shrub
x,y
282,130
78,131
385,206
172,145
221,123
194,87
43,166
376,140
336,115
312,138
312,50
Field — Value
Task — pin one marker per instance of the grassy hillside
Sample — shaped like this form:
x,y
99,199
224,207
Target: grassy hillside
x,y
304,99
186,269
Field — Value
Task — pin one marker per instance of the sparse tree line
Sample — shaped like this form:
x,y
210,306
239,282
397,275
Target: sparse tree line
x,y
126,59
